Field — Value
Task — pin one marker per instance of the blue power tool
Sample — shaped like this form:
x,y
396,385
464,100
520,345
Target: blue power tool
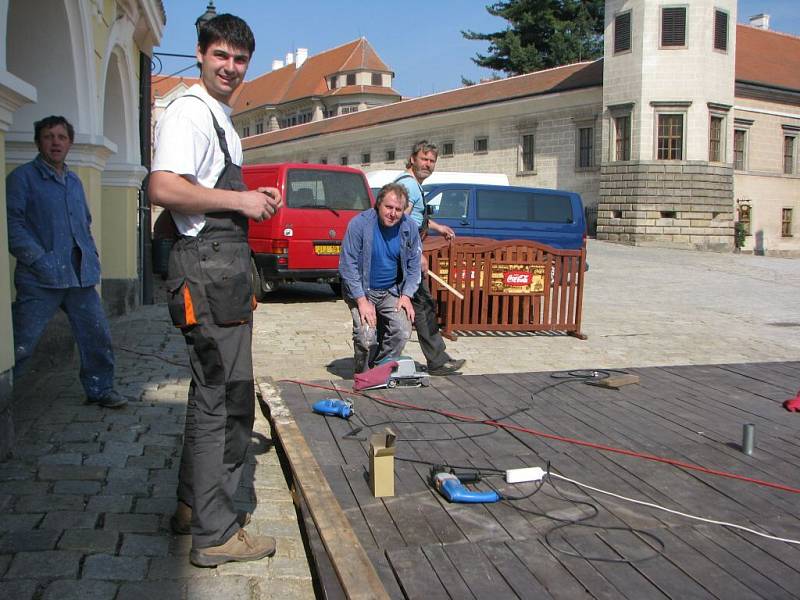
x,y
334,407
453,489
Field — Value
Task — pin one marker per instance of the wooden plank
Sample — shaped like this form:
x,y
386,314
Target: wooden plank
x,y
483,579
515,573
553,575
348,557
452,580
415,574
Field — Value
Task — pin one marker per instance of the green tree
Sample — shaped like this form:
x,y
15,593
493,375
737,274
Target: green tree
x,y
542,34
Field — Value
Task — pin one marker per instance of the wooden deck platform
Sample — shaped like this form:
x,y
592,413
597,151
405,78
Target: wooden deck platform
x,y
422,547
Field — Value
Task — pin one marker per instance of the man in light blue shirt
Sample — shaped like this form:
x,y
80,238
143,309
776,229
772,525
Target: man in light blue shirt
x,y
57,260
419,166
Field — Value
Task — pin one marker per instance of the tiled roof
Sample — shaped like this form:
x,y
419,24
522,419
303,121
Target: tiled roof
x,y
163,85
292,83
767,57
579,75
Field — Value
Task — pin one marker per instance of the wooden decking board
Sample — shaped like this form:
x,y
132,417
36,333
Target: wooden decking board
x,y
415,575
515,573
421,546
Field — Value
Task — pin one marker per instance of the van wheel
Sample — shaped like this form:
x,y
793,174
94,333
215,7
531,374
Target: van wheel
x,y
337,288
258,284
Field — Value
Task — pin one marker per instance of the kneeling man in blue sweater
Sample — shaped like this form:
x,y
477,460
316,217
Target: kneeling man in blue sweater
x,y
380,271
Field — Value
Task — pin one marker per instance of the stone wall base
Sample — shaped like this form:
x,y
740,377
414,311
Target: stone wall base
x,y
685,204
120,296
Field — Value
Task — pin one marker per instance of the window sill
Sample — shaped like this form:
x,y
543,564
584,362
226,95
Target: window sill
x,y
481,152
525,173
586,169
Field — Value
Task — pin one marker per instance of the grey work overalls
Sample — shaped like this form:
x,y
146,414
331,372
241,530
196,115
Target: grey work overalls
x,y
211,300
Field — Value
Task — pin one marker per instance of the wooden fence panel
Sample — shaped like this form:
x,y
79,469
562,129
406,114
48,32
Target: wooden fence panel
x,y
509,285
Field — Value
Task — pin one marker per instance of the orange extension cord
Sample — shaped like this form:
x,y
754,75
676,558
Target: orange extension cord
x,y
561,438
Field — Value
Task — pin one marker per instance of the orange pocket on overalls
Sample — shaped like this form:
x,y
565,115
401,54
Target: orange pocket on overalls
x,y
181,304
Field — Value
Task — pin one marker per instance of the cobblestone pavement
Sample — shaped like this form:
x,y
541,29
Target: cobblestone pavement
x,y
85,504
642,307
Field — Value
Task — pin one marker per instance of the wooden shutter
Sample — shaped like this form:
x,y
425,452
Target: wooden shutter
x,y
673,26
622,32
720,30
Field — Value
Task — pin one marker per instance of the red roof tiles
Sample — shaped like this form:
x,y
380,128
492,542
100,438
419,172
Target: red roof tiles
x,y
767,57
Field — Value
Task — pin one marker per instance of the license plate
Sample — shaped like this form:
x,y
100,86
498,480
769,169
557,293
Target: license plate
x,y
327,250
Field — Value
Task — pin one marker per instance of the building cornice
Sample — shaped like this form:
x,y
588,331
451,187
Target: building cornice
x,y
14,93
123,175
759,91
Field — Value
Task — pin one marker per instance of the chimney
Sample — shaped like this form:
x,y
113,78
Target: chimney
x,y
289,58
277,64
302,55
760,20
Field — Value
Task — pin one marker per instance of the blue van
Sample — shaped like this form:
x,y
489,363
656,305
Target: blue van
x,y
551,217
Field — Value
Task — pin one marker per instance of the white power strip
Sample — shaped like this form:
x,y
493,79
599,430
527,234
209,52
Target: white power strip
x,y
525,474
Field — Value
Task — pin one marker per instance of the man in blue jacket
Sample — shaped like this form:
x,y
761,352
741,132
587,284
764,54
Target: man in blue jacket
x,y
380,271
57,261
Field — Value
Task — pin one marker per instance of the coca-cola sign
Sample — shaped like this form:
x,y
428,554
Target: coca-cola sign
x,y
516,278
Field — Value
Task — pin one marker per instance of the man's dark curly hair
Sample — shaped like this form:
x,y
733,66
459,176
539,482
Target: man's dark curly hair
x,y
52,121
228,29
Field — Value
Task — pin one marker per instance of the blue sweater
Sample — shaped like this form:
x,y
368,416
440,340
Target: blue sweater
x,y
355,261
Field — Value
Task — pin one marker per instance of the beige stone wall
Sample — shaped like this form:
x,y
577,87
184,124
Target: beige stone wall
x,y
763,185
552,119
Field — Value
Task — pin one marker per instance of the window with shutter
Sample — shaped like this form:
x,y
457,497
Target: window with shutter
x,y
622,32
720,30
673,26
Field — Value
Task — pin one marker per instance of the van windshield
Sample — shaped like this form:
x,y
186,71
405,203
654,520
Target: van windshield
x,y
511,205
311,188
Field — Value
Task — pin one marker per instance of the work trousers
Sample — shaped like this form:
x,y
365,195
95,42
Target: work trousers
x,y
32,311
211,300
427,326
372,345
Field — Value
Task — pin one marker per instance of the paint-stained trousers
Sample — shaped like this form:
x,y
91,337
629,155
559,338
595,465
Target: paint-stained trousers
x,y
212,301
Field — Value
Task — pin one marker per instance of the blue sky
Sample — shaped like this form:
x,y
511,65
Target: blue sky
x,y
419,39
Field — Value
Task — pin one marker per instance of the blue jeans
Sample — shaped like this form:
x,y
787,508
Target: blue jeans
x,y
33,309
370,344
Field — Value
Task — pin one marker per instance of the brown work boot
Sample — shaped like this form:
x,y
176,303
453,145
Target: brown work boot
x,y
181,521
240,547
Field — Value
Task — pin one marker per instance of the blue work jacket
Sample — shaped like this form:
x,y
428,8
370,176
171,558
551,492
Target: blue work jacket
x,y
356,257
48,217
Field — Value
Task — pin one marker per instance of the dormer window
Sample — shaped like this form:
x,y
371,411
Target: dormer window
x,y
351,79
333,82
377,79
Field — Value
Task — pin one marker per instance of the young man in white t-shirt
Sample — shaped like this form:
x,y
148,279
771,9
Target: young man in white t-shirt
x,y
196,175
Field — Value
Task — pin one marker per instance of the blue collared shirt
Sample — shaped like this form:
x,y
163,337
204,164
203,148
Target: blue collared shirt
x,y
47,217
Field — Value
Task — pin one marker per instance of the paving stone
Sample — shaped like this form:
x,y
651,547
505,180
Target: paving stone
x,y
289,567
279,588
20,488
48,502
213,588
102,459
165,451
167,428
70,520
120,418
82,447
169,567
5,560
118,436
163,490
89,541
139,473
86,488
32,450
65,589
144,545
180,545
61,458
29,541
15,472
127,448
159,506
110,504
157,590
118,568
155,439
18,590
52,563
274,528
18,522
128,523
64,472
149,462
125,487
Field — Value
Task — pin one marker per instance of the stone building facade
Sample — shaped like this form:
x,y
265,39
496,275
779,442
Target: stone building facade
x,y
688,124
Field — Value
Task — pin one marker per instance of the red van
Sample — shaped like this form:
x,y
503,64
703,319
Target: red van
x,y
302,241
